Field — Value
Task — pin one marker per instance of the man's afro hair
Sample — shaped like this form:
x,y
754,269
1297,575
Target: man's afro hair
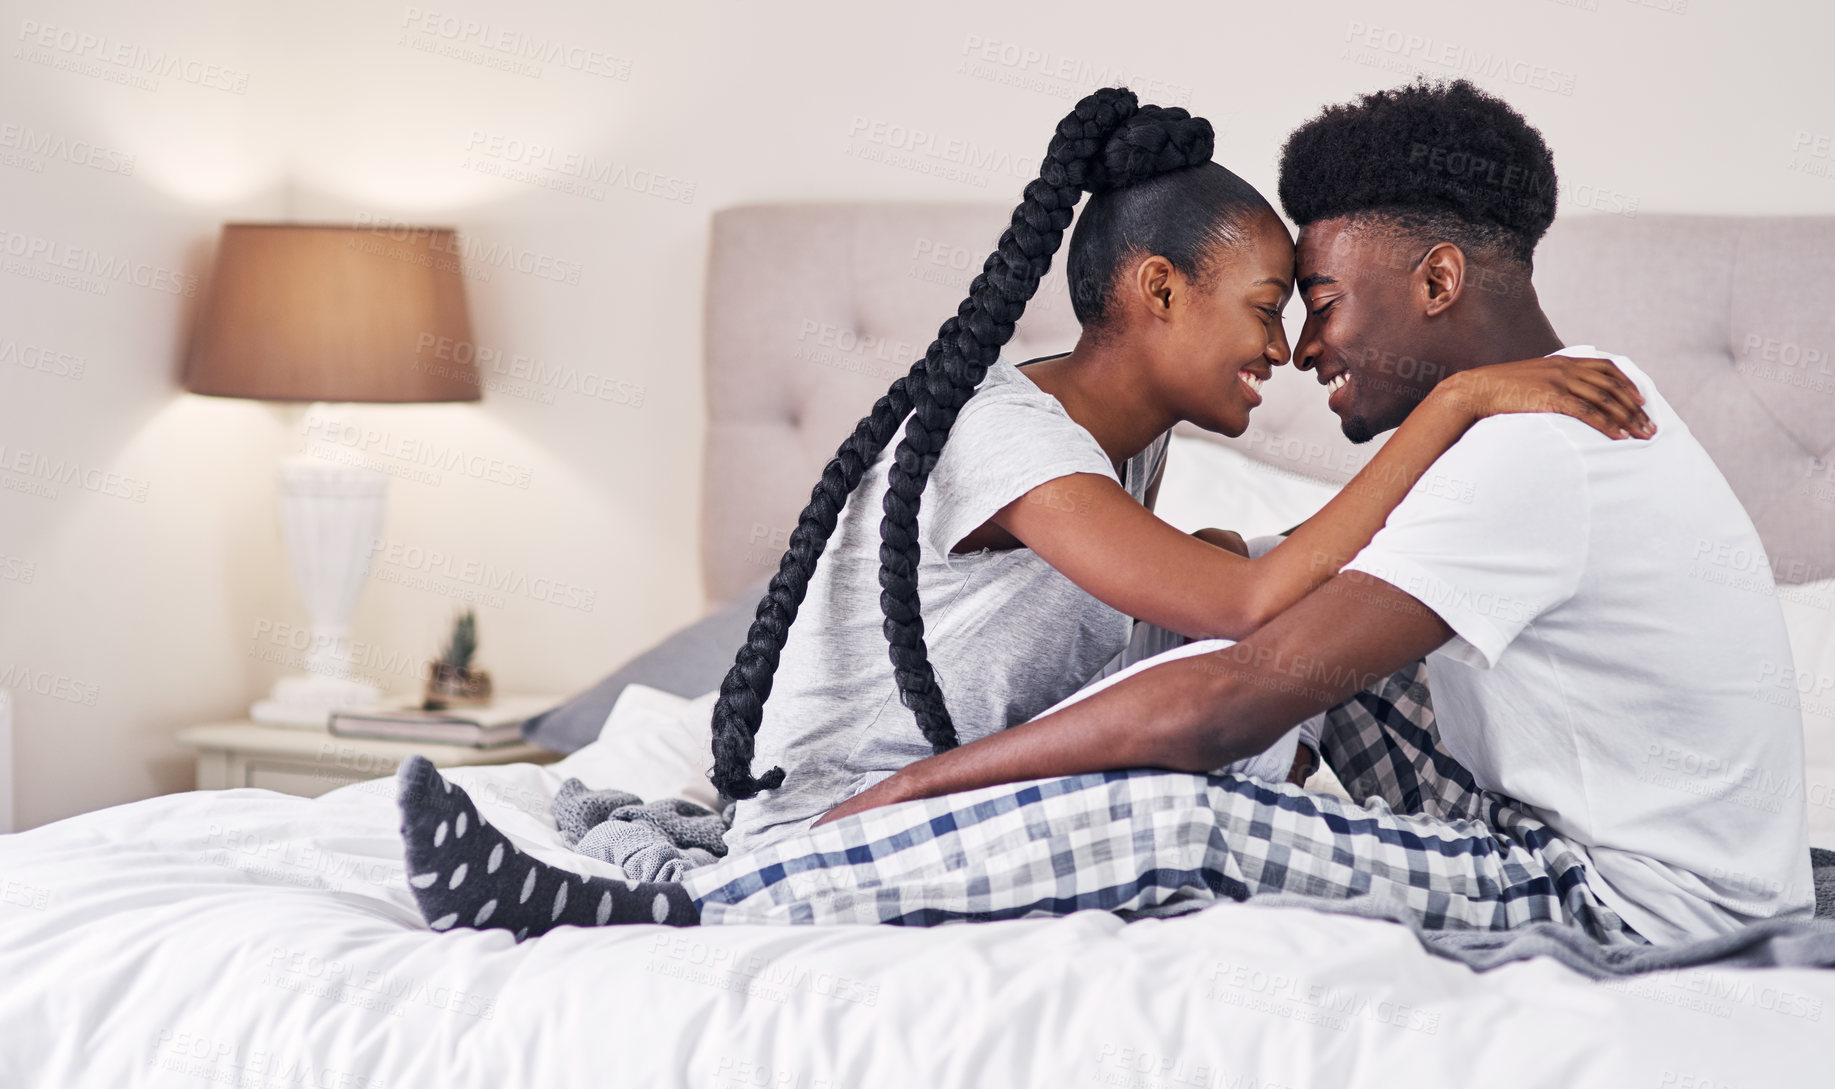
x,y
1436,156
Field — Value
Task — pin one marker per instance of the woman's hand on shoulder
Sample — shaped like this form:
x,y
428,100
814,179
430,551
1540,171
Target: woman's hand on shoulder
x,y
1593,391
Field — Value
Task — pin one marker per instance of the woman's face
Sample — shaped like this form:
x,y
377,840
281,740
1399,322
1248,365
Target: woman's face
x,y
1219,348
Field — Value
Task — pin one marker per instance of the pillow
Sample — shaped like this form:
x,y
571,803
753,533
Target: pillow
x,y
1207,484
688,663
654,744
1809,616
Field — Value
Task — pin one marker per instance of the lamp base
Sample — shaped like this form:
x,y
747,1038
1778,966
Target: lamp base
x,y
306,702
331,516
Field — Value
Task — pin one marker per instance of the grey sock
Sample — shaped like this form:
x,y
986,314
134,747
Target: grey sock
x,y
465,873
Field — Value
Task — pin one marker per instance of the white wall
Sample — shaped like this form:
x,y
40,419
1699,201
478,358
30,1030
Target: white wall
x,y
135,603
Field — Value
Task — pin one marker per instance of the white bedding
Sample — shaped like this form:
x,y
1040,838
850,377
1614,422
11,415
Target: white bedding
x,y
249,938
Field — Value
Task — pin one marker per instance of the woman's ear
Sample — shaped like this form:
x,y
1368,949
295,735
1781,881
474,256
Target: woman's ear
x,y
1156,283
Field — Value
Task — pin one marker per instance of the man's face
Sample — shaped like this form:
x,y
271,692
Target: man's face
x,y
1365,334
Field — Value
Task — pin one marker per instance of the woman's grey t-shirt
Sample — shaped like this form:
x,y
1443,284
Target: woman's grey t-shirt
x,y
1008,635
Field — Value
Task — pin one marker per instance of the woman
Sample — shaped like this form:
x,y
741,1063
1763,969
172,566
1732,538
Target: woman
x,y
1037,546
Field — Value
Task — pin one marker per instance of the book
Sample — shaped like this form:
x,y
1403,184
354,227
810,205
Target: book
x,y
498,723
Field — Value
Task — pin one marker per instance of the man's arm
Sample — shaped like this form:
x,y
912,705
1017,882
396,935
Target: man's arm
x,y
1202,712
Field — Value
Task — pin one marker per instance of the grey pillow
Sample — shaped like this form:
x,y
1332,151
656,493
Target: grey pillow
x,y
691,662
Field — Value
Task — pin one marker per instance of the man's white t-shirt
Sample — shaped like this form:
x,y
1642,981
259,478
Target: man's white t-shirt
x,y
1607,670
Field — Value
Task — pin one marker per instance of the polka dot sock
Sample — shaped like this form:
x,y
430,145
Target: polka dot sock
x,y
465,873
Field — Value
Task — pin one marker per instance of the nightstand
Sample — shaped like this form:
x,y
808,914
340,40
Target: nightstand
x,y
310,762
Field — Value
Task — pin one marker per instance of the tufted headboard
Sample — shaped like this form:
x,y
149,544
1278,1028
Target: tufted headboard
x,y
812,310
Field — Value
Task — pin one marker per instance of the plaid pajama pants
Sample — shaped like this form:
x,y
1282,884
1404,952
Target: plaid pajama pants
x,y
1154,843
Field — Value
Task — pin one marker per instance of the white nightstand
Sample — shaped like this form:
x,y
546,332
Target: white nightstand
x,y
310,762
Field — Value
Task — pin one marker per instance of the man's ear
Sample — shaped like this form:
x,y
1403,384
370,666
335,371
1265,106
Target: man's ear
x,y
1156,284
1440,278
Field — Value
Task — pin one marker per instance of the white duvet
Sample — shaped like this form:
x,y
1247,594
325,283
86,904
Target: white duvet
x,y
247,938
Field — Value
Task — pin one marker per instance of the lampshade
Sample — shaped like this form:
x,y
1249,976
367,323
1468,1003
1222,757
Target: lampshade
x,y
305,313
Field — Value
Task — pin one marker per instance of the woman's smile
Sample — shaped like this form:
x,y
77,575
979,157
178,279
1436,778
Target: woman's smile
x,y
1251,380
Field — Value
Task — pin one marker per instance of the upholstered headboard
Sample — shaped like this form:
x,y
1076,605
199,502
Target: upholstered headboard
x,y
812,310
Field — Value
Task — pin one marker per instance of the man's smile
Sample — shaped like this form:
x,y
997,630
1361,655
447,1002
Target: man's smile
x,y
1336,379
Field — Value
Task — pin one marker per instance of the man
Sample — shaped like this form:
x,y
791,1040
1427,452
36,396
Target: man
x,y
1605,753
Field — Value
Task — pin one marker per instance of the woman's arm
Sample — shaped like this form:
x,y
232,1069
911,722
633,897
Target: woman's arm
x,y
1124,556
1324,543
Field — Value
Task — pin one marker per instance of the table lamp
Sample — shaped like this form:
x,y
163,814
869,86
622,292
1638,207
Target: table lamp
x,y
308,313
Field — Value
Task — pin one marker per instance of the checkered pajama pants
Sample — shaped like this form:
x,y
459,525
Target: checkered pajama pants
x,y
1155,843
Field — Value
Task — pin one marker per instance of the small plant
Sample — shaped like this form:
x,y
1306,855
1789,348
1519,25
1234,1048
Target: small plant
x,y
462,643
451,680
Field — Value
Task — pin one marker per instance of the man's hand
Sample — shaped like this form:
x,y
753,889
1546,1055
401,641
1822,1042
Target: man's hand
x,y
1200,712
1228,540
884,792
1305,763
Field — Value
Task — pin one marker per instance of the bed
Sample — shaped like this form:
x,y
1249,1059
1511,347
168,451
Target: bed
x,y
244,937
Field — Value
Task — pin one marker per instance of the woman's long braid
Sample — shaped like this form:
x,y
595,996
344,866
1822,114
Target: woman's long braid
x,y
1107,142
741,705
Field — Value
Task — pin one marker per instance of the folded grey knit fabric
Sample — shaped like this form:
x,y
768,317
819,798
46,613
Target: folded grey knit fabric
x,y
654,841
1822,873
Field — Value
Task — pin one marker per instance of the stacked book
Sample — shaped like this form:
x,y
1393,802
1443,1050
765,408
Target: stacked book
x,y
497,723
